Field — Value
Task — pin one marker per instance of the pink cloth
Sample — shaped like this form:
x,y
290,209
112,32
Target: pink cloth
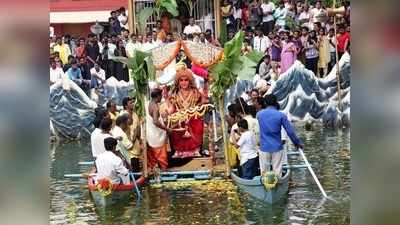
x,y
199,71
287,57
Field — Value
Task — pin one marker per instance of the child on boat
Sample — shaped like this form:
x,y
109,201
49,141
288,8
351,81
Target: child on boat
x,y
248,150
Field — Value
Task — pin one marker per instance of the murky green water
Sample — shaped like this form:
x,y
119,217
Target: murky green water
x,y
211,202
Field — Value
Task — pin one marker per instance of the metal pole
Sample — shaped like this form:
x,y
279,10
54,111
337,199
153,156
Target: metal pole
x,y
337,61
312,173
214,126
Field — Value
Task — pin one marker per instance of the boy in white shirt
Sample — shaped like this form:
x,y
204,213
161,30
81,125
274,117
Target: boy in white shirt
x,y
248,150
98,76
109,165
56,73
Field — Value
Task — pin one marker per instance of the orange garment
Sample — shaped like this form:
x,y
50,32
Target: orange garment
x,y
161,35
157,156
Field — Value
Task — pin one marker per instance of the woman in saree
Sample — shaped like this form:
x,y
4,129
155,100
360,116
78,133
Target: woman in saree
x,y
289,52
187,137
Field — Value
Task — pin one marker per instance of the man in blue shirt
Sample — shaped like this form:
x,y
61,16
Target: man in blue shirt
x,y
271,121
75,74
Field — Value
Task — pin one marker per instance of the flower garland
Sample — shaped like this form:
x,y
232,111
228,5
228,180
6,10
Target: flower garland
x,y
172,57
179,44
183,116
105,186
201,64
269,180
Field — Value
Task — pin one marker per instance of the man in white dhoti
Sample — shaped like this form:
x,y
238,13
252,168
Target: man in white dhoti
x,y
156,133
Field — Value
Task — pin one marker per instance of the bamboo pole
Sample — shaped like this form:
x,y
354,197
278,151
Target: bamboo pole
x,y
217,16
130,15
225,138
337,61
134,15
144,139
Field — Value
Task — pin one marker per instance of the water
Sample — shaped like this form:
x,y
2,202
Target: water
x,y
216,201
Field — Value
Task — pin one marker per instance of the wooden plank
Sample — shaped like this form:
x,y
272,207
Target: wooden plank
x,y
196,164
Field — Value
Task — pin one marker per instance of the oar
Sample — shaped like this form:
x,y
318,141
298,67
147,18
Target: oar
x,y
85,175
312,173
136,186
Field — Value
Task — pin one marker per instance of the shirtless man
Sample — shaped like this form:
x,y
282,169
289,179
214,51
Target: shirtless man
x,y
156,133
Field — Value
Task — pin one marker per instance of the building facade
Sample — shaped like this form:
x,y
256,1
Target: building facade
x,y
75,17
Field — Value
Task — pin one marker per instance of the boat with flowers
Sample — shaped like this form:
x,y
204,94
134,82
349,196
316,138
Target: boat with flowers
x,y
104,193
267,188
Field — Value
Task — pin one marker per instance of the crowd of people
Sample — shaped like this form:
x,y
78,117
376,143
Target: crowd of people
x,y
291,30
255,140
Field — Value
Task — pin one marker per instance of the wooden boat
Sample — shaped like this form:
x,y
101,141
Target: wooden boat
x,y
257,189
120,192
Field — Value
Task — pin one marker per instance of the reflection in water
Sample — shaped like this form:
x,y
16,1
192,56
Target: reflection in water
x,y
211,202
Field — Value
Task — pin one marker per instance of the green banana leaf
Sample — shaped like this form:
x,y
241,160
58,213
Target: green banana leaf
x,y
170,6
142,70
255,56
142,17
225,73
248,69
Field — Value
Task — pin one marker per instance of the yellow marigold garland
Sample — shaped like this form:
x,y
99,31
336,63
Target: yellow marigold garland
x,y
105,186
183,116
266,181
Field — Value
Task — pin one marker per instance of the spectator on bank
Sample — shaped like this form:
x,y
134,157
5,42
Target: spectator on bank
x,y
237,15
74,73
85,68
289,52
63,50
254,13
267,8
192,28
125,36
56,73
132,46
265,67
98,76
227,14
120,69
114,26
122,18
311,54
68,64
332,48
161,34
343,39
324,53
92,49
275,50
318,14
261,42
80,49
110,49
280,15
